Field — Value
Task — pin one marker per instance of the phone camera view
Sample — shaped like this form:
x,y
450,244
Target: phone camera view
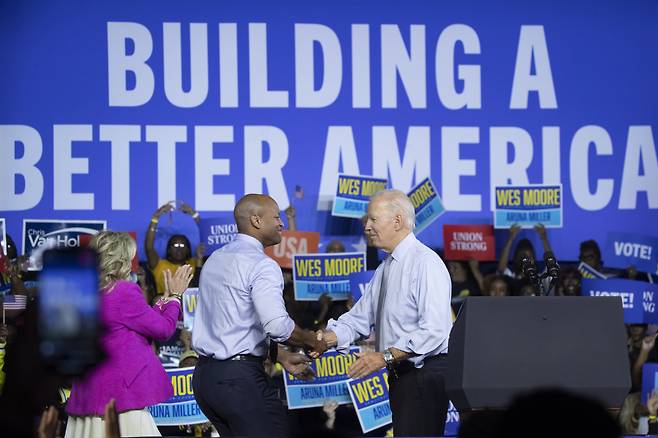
x,y
69,301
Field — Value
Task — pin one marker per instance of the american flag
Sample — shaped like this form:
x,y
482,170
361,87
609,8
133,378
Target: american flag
x,y
14,302
299,192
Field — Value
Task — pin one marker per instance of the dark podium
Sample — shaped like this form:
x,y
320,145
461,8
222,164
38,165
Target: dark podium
x,y
503,346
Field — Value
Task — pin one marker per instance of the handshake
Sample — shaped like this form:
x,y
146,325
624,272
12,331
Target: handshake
x,y
318,342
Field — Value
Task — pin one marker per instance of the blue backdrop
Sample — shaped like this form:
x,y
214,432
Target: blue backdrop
x,y
108,110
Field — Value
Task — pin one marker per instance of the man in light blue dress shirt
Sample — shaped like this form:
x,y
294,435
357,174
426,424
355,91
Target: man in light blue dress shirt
x,y
240,315
407,302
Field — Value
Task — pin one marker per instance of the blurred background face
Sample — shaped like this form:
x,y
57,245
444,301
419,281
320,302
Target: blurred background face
x,y
457,271
636,332
590,257
571,282
178,250
335,246
498,288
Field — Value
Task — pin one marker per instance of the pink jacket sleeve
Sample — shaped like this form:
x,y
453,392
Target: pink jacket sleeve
x,y
152,322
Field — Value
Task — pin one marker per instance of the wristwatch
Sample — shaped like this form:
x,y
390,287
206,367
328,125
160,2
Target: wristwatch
x,y
388,358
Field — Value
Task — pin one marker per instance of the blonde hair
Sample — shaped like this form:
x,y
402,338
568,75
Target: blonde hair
x,y
115,253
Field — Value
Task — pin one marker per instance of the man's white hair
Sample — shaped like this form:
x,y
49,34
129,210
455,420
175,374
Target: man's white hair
x,y
398,202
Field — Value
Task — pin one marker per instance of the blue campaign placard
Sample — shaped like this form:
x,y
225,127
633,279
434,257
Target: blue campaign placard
x,y
216,232
358,283
427,204
586,271
190,299
370,398
452,421
330,382
528,206
353,194
3,236
181,408
649,380
55,233
637,297
317,274
625,249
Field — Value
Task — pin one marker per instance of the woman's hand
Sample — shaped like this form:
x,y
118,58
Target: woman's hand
x,y
177,284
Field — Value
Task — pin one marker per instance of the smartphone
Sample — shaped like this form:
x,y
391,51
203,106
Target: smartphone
x,y
69,310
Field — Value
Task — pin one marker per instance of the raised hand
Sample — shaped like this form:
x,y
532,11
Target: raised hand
x,y
648,342
177,284
366,363
514,231
163,209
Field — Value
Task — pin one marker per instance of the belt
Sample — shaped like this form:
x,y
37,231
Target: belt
x,y
237,357
407,366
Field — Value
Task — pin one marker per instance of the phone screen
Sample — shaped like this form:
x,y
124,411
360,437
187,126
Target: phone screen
x,y
69,314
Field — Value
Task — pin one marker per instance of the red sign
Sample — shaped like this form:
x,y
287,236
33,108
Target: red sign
x,y
293,242
465,242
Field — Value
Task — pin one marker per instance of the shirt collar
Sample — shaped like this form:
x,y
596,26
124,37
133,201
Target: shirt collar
x,y
251,241
403,247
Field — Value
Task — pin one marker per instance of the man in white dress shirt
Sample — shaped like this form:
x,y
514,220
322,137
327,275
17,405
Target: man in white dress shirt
x,y
408,304
240,308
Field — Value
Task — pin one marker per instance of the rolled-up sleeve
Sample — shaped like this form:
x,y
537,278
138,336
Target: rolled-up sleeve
x,y
267,295
356,323
432,292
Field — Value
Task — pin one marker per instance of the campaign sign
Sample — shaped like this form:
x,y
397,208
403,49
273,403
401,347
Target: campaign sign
x,y
370,397
190,300
586,271
330,382
317,274
217,232
3,236
466,242
637,297
353,194
181,408
649,380
427,204
625,249
55,234
358,283
169,350
293,242
528,206
452,421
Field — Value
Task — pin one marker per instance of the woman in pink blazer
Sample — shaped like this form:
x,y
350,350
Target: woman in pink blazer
x,y
132,373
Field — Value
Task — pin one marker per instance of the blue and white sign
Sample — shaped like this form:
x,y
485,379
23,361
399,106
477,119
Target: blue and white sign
x,y
217,232
190,300
427,204
637,297
181,408
528,206
370,398
330,382
44,233
3,236
358,283
625,249
353,194
134,104
649,381
317,274
452,421
586,271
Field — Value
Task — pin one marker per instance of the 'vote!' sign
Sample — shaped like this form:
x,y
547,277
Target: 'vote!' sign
x,y
637,297
293,242
353,194
623,250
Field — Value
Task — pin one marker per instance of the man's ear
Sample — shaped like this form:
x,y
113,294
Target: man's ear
x,y
255,221
397,222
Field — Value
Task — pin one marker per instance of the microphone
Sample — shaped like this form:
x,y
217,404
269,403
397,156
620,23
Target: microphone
x,y
529,270
552,267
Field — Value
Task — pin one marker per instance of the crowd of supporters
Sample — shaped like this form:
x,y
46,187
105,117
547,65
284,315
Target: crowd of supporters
x,y
501,278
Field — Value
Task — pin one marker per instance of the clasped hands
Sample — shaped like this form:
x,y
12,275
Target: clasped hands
x,y
367,362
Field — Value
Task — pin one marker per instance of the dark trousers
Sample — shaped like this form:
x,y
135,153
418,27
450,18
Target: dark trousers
x,y
418,398
239,398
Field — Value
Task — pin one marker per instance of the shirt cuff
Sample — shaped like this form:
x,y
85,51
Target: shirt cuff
x,y
280,330
343,338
